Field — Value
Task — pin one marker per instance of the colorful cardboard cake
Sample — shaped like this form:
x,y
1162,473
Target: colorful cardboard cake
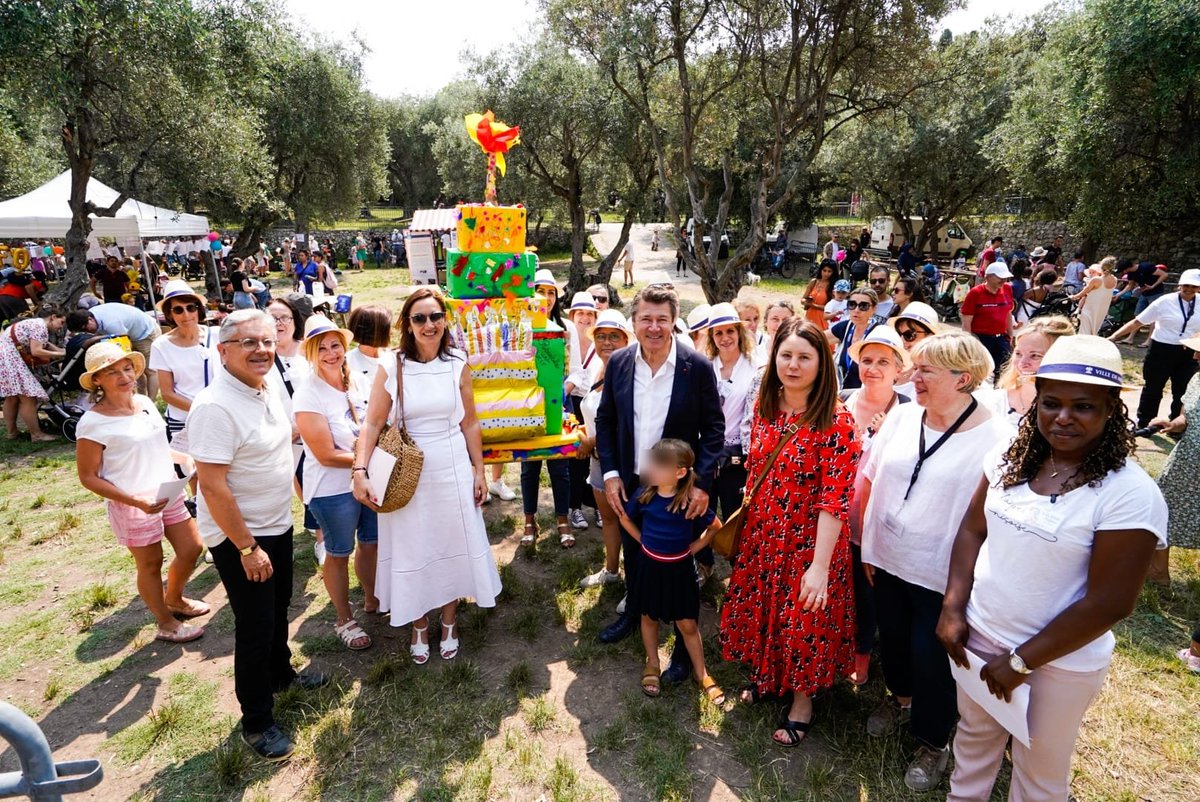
x,y
490,275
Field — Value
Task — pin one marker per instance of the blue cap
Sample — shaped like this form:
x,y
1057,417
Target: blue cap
x,y
841,285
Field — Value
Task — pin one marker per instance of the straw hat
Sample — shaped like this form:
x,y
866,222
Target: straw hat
x,y
104,354
542,277
318,324
882,335
178,288
1083,359
609,319
919,312
697,319
723,314
1038,252
582,301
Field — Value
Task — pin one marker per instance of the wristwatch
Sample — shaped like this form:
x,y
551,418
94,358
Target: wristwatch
x,y
1017,664
246,552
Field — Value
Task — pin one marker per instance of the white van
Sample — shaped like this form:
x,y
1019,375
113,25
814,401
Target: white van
x,y
803,241
887,237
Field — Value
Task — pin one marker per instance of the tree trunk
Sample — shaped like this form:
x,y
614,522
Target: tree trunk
x,y
604,270
577,279
66,293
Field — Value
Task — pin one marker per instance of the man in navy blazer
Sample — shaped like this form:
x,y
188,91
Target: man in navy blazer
x,y
653,389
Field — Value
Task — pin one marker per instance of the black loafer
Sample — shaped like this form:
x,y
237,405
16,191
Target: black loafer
x,y
677,670
311,680
272,744
618,630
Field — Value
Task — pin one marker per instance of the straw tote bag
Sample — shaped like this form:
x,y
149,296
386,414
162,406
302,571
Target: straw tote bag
x,y
728,538
396,441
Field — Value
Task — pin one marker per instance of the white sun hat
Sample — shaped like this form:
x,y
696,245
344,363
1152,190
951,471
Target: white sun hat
x,y
882,335
1084,359
697,319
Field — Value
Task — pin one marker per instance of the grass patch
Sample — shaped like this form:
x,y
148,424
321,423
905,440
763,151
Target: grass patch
x,y
177,726
519,678
38,502
538,713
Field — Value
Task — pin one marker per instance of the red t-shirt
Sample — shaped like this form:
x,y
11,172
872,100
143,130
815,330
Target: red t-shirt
x,y
990,311
986,258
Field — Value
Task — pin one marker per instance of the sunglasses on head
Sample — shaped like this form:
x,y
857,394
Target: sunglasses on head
x,y
420,318
179,310
864,306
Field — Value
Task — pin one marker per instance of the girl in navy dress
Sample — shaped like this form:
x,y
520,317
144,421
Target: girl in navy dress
x,y
667,582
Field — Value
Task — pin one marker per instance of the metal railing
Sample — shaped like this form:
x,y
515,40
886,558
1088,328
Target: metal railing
x,y
40,778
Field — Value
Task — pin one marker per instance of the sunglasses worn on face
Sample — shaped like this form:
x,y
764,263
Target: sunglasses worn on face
x,y
420,318
879,281
600,299
864,306
909,335
179,310
897,289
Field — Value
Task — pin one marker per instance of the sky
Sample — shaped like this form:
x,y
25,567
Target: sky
x,y
415,45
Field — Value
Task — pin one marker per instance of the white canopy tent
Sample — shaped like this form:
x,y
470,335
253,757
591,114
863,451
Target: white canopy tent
x,y
45,213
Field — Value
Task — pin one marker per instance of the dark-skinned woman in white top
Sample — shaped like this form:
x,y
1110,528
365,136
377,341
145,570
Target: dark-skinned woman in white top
x,y
1051,554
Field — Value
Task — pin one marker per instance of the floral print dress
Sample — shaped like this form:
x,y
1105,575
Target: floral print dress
x,y
15,376
762,621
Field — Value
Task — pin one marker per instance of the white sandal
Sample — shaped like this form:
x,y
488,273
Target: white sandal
x,y
449,645
418,650
350,632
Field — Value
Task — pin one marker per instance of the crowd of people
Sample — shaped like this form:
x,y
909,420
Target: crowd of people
x,y
901,488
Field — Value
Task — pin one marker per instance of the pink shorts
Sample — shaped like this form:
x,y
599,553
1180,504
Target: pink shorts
x,y
136,528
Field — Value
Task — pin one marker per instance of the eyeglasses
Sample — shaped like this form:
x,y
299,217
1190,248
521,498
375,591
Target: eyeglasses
x,y
600,299
420,318
282,318
179,310
609,337
252,344
864,306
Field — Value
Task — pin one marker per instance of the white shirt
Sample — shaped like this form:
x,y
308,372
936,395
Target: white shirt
x,y
297,371
912,539
192,367
735,397
317,396
362,370
837,307
136,458
1034,563
248,430
1170,312
651,399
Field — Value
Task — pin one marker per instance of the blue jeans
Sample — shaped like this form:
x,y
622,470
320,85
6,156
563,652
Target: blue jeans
x,y
341,517
560,485
243,300
1144,301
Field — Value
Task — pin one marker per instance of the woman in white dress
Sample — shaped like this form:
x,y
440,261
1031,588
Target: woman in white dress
x,y
433,551
1096,296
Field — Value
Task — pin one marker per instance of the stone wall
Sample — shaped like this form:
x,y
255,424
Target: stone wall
x,y
1178,250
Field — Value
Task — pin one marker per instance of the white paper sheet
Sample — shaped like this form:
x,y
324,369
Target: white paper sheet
x,y
1012,716
379,470
168,491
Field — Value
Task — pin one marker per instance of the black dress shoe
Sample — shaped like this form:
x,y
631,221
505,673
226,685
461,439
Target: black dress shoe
x,y
620,629
680,666
270,744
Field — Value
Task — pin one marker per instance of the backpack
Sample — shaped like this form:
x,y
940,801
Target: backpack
x,y
331,281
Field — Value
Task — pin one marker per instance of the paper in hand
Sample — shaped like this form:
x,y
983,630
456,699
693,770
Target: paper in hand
x,y
168,491
1012,716
379,471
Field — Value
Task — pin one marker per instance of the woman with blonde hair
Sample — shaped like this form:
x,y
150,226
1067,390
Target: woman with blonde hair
x,y
1096,295
1015,391
917,481
776,313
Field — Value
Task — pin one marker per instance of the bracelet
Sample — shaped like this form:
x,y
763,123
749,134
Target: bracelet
x,y
358,468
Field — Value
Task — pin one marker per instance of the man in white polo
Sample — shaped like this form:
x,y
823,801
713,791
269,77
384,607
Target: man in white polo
x,y
1175,319
240,437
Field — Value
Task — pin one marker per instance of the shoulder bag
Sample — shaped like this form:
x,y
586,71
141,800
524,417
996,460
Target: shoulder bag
x,y
24,351
728,537
396,441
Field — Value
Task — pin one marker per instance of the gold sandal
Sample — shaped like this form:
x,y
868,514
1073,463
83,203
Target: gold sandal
x,y
651,681
712,690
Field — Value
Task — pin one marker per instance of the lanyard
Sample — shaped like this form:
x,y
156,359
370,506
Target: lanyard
x,y
923,455
1186,312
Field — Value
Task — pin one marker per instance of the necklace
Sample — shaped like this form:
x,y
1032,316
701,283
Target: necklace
x,y
1056,471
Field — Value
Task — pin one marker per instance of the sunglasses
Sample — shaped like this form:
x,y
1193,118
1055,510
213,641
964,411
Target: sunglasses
x,y
879,281
420,318
179,310
898,289
864,306
909,335
600,299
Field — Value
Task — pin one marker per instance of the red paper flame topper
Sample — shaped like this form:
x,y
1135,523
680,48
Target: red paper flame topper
x,y
495,138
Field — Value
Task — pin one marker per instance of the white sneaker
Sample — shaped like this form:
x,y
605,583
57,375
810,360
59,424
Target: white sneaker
x,y
601,577
621,605
319,550
208,556
501,490
576,519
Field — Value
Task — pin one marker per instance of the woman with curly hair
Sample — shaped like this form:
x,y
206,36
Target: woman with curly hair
x,y
1050,555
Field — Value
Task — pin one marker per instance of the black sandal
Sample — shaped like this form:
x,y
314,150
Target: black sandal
x,y
750,695
796,732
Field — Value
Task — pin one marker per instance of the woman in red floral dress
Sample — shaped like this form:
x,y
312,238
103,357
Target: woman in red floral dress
x,y
789,610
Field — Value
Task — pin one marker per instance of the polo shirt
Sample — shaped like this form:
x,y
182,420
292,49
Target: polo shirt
x,y
1176,318
112,284
233,424
990,311
124,319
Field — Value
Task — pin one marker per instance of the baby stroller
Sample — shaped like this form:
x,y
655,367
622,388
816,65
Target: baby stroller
x,y
947,303
56,415
1119,313
1058,303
